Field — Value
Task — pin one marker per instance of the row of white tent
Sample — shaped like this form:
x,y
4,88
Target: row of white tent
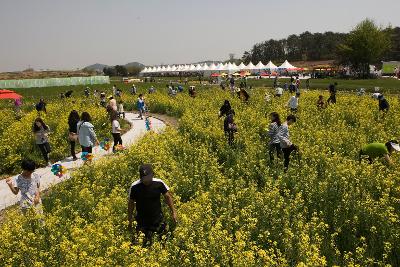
x,y
230,67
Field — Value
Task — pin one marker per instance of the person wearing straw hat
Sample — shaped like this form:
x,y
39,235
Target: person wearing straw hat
x,y
144,195
379,150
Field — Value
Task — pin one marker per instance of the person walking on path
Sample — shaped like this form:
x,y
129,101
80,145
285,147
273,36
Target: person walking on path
x,y
41,132
332,91
287,146
308,83
293,103
73,120
225,108
86,133
273,132
17,105
28,183
116,130
230,127
141,106
379,150
113,103
144,195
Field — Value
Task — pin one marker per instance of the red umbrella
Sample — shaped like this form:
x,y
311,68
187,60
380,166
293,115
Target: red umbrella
x,y
7,94
215,75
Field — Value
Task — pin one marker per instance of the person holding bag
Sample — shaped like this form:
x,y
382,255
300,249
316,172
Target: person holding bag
x,y
41,131
73,120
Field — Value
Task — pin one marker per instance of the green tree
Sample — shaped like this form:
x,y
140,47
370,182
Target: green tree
x,y
366,44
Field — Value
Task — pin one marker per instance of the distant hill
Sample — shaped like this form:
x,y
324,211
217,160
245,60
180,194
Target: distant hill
x,y
99,67
134,64
96,67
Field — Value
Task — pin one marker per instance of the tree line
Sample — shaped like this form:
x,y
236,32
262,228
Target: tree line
x,y
122,71
366,44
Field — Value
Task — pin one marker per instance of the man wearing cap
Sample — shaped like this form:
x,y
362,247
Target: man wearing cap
x,y
377,150
145,193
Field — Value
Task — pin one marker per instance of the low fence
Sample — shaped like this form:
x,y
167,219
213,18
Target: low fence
x,y
29,83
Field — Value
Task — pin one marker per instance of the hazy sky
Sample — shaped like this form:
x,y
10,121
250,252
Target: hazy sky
x,y
65,34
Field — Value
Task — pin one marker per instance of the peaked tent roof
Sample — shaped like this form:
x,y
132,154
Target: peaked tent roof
x,y
260,65
287,65
242,66
205,67
250,66
271,66
213,67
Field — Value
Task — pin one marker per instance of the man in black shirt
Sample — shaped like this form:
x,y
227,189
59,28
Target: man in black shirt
x,y
145,193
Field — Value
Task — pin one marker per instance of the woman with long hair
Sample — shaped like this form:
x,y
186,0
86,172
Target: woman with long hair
x,y
87,136
73,120
116,129
274,142
41,132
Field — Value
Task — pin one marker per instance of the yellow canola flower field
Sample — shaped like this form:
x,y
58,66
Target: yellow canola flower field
x,y
235,207
17,140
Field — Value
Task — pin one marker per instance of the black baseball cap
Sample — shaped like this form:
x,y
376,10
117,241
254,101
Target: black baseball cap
x,y
146,172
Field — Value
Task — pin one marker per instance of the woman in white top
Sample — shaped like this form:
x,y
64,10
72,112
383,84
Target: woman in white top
x,y
293,102
116,130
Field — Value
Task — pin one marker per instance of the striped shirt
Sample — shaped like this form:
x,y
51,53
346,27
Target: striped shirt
x,y
273,133
283,134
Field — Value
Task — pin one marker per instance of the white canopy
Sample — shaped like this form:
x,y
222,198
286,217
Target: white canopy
x,y
287,65
242,66
199,67
260,66
192,67
174,68
271,66
168,68
144,70
158,69
205,67
250,66
220,67
212,67
231,67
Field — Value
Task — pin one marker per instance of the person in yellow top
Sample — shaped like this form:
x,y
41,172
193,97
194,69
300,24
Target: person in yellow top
x,y
378,150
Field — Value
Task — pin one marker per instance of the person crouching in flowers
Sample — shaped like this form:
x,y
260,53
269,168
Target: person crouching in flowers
x,y
87,136
286,144
28,183
145,194
41,132
116,130
379,150
383,105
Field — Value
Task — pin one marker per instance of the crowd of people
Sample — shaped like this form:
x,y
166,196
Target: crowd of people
x,y
145,193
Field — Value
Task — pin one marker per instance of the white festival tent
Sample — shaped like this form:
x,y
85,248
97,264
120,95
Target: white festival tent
x,y
173,68
212,67
168,69
145,70
287,65
158,69
250,66
242,66
231,67
205,67
260,66
199,67
271,66
192,67
220,67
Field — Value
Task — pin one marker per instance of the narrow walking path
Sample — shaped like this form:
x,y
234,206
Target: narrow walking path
x,y
138,129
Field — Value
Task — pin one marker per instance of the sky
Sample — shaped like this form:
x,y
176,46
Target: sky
x,y
71,34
